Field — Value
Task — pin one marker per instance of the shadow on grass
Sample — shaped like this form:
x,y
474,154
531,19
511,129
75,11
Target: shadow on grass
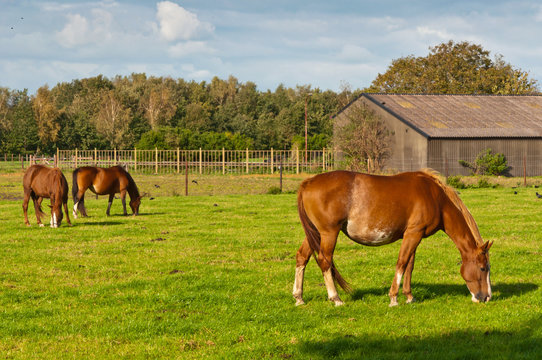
x,y
522,342
424,291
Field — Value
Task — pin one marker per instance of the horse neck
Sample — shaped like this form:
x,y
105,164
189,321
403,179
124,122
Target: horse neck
x,y
457,228
132,190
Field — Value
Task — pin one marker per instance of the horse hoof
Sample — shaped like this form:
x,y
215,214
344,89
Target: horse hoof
x,y
299,302
393,302
41,225
337,301
410,301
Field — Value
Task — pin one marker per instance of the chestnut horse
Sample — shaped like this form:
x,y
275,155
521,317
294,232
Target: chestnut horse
x,y
41,182
377,210
104,181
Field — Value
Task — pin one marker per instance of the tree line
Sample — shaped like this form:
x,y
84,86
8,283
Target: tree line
x,y
146,111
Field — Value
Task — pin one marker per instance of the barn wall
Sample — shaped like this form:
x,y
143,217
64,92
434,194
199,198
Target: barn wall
x,y
409,148
444,154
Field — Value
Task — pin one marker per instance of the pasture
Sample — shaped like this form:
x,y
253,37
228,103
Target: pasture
x,y
211,277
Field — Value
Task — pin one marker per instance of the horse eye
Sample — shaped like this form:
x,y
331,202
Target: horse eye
x,y
483,269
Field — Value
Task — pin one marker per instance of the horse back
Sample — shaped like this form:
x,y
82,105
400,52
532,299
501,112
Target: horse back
x,y
44,181
371,207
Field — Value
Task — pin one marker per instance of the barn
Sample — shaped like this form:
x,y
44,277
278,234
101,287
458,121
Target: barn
x,y
438,131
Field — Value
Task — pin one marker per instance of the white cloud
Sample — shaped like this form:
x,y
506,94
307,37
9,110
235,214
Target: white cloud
x,y
79,30
75,32
426,31
176,23
183,49
353,52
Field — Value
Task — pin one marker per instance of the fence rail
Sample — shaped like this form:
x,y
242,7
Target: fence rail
x,y
202,161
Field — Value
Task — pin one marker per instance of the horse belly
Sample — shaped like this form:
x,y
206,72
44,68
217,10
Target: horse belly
x,y
370,235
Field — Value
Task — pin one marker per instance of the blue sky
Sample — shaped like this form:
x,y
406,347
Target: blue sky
x,y
320,42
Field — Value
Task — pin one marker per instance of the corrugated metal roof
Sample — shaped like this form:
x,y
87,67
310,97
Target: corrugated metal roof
x,y
453,116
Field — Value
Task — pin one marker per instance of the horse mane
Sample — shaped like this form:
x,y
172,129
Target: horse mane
x,y
456,200
132,185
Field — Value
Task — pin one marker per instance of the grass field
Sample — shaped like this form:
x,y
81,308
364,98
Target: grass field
x,y
211,277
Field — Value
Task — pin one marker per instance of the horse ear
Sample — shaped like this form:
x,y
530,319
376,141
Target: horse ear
x,y
485,248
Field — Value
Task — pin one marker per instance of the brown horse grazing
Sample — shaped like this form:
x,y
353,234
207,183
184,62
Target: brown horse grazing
x,y
378,210
43,182
103,181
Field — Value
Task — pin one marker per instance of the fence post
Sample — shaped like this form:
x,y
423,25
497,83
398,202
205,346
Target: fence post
x,y
95,157
324,159
185,173
223,161
297,162
135,159
200,161
22,161
75,160
247,160
272,161
179,161
156,160
525,169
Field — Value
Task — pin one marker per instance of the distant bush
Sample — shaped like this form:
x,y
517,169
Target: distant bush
x,y
487,163
483,183
274,190
455,182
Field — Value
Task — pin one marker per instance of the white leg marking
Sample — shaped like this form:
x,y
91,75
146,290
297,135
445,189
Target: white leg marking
x,y
298,285
398,277
331,289
75,209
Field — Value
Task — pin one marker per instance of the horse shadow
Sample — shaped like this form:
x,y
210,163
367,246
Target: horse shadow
x,y
425,291
520,342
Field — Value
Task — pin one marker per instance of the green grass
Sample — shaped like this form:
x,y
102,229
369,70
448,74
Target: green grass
x,y
211,277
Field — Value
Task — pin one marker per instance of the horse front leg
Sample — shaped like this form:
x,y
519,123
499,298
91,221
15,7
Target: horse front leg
x,y
302,258
111,197
123,200
411,240
406,281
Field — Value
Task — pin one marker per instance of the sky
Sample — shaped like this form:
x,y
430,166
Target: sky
x,y
322,43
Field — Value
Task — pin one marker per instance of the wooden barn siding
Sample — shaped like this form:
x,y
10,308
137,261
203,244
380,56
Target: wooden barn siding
x,y
444,154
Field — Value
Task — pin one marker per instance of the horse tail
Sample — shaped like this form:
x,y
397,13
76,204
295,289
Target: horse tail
x,y
75,186
456,200
314,239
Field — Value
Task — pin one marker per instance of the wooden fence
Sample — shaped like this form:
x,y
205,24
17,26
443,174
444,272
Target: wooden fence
x,y
202,161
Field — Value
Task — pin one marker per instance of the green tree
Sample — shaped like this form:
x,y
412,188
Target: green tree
x,y
113,119
47,118
364,139
454,68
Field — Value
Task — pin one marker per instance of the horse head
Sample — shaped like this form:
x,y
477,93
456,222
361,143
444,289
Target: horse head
x,y
56,213
475,271
134,204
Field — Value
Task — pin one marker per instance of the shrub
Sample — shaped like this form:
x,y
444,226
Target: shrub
x,y
487,163
274,190
455,182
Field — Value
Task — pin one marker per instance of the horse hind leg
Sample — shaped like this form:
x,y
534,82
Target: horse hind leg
x,y
325,261
37,208
111,197
65,204
302,258
25,207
